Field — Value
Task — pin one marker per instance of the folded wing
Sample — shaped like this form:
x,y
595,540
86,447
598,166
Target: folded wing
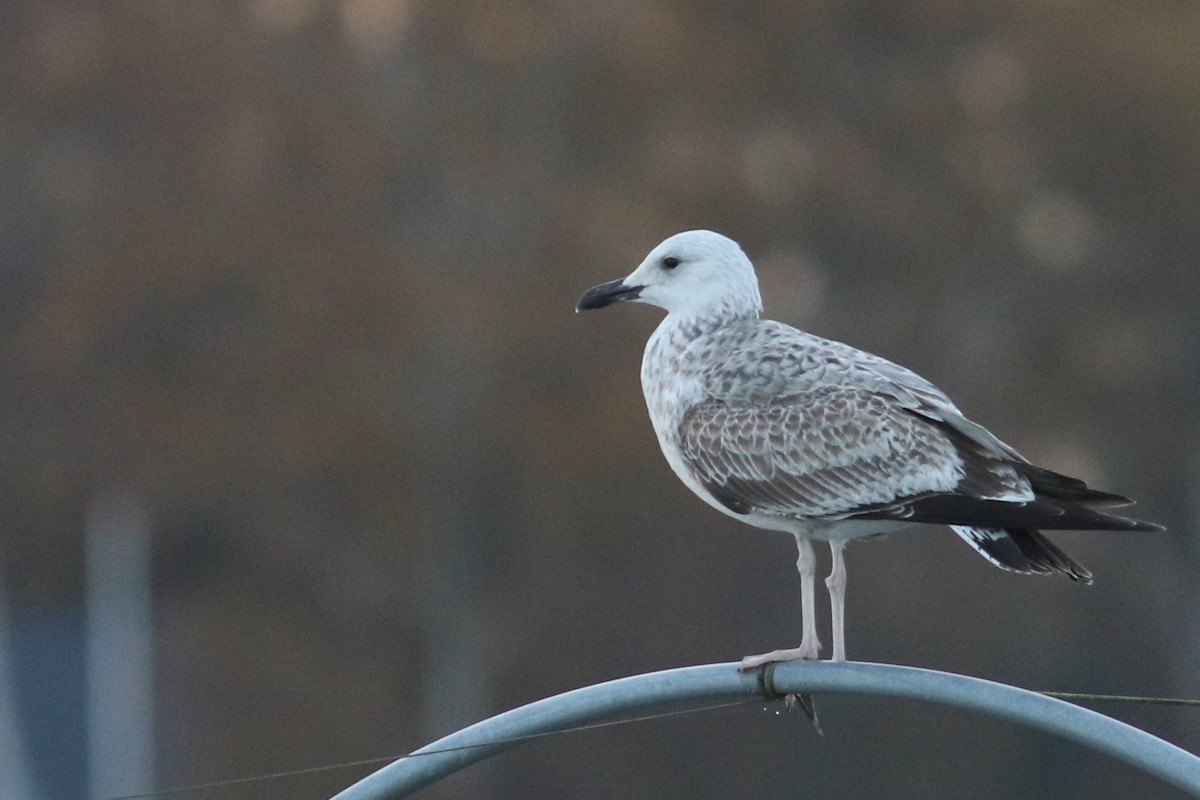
x,y
835,434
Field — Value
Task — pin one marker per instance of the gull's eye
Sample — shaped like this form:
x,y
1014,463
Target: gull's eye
x,y
670,262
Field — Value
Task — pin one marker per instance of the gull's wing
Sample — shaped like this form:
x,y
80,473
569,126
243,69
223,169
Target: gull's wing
x,y
833,452
796,425
801,427
764,359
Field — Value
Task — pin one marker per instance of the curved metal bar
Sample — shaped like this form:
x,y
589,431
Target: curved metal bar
x,y
691,686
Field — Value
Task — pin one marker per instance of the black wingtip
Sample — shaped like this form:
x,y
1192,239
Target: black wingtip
x,y
1056,486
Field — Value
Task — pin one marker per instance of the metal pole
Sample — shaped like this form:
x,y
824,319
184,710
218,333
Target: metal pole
x,y
120,666
692,686
16,771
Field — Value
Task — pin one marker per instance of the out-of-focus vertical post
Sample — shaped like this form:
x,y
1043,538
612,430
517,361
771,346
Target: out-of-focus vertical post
x,y
16,781
120,667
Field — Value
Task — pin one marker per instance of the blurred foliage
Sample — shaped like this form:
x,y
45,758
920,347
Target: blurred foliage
x,y
300,273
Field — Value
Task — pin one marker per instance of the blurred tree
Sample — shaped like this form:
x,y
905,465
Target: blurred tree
x,y
300,273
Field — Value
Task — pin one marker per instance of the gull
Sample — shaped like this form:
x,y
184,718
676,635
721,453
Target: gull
x,y
790,432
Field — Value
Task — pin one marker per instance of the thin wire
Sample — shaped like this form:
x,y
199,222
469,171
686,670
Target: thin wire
x,y
1124,698
269,776
1099,698
381,759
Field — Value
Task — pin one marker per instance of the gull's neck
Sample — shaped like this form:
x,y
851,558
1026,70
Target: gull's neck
x,y
668,347
671,350
690,323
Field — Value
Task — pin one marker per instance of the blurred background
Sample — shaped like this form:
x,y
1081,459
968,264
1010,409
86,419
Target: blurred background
x,y
307,459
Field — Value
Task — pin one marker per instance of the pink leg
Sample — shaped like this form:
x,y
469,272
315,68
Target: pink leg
x,y
836,583
810,646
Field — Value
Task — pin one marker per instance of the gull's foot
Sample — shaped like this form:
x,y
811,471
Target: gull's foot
x,y
801,653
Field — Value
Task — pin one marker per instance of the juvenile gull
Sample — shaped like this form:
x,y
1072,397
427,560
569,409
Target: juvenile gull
x,y
791,432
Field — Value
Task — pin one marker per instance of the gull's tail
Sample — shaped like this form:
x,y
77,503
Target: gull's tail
x,y
1008,532
1067,503
1022,550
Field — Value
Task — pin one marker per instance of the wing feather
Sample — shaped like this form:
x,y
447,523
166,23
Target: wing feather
x,y
816,429
828,452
